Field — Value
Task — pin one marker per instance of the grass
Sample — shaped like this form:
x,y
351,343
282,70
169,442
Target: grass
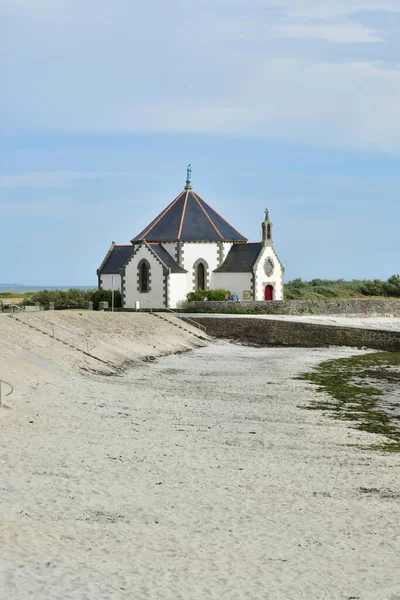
x,y
354,397
13,295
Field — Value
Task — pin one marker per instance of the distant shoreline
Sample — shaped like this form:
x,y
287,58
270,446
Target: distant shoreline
x,y
20,289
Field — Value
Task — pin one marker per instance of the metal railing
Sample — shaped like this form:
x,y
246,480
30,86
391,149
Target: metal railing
x,y
174,314
9,393
89,344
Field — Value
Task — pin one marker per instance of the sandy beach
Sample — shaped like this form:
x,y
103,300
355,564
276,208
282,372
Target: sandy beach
x,y
195,476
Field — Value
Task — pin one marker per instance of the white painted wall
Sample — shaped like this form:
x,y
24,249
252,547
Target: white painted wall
x,y
152,299
193,251
234,282
177,290
107,283
262,280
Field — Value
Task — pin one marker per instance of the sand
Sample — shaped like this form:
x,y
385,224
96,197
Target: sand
x,y
29,355
196,476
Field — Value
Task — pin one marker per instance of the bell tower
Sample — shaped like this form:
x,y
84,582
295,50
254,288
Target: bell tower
x,y
266,226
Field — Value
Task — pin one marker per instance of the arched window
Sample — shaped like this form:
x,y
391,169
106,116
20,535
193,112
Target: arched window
x,y
201,277
268,231
144,276
200,274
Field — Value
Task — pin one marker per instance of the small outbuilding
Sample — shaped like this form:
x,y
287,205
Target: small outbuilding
x,y
187,247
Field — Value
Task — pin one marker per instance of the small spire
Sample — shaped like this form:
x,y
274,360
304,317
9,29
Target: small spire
x,y
266,227
188,185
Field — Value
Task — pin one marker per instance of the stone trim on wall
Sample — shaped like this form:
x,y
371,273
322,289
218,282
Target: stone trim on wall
x,y
166,292
123,277
179,253
220,253
252,287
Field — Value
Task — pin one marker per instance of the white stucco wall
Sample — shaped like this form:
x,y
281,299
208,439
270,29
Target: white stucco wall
x,y
262,280
193,251
177,290
107,282
155,297
234,282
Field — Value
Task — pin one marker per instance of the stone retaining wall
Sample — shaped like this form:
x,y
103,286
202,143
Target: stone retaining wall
x,y
377,308
265,332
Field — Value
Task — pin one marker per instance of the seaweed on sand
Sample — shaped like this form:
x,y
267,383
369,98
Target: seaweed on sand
x,y
356,386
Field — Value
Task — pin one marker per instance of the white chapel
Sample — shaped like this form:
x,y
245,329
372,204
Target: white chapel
x,y
187,247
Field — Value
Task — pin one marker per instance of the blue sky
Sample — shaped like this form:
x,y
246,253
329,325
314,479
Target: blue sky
x,y
292,105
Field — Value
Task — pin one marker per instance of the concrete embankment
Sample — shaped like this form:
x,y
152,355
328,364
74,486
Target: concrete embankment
x,y
263,332
36,349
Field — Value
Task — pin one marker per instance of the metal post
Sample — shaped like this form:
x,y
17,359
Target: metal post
x,y
112,293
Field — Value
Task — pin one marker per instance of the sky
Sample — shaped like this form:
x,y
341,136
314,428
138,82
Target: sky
x,y
290,105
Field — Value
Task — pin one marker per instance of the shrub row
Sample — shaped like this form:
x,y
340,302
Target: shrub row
x,y
319,289
212,295
73,297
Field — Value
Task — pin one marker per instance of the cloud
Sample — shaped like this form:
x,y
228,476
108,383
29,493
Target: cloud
x,y
315,9
55,178
252,30
291,69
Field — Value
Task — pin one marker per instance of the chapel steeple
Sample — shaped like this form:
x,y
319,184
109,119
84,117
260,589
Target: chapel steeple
x,y
266,226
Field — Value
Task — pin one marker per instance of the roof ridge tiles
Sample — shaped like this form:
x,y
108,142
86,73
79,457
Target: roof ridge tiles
x,y
188,218
207,215
220,216
160,216
183,215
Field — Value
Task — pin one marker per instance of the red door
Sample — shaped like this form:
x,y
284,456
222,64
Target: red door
x,y
268,292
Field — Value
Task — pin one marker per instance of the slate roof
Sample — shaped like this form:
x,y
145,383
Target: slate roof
x,y
241,258
167,259
116,259
189,218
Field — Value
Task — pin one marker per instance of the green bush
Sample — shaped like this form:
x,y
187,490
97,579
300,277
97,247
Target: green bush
x,y
106,296
74,297
321,289
71,297
392,286
212,295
